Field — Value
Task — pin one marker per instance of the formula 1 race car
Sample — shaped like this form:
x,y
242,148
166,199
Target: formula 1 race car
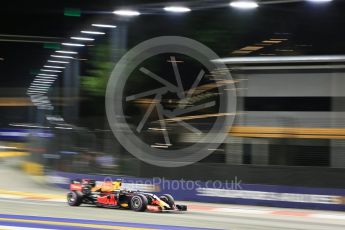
x,y
109,194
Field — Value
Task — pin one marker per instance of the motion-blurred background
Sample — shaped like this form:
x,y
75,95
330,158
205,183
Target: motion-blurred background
x,y
285,57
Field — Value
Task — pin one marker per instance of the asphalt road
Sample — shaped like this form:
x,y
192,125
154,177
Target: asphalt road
x,y
199,219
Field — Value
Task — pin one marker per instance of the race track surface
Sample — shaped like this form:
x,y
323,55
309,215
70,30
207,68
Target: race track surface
x,y
23,207
230,217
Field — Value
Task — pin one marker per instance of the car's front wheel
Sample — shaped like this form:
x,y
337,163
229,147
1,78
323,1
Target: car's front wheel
x,y
169,199
74,198
139,203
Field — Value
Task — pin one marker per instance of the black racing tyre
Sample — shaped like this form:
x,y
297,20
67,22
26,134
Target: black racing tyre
x,y
167,198
139,203
74,198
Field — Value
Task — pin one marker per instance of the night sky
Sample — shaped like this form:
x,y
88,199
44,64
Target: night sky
x,y
310,28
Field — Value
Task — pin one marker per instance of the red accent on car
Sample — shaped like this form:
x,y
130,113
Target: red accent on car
x,y
153,208
75,187
156,202
107,200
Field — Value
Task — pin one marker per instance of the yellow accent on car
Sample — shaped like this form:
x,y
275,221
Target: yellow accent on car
x,y
117,185
162,204
124,205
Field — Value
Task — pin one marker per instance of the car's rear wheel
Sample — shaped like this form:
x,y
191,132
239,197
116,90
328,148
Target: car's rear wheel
x,y
74,198
167,198
139,203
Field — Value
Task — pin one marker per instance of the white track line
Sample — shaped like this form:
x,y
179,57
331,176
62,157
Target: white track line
x,y
21,228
